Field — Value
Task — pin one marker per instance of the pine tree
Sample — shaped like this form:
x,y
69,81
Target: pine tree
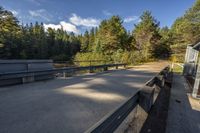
x,y
85,42
111,35
9,33
146,35
186,29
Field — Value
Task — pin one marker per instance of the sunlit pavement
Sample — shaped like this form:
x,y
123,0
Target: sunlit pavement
x,y
69,105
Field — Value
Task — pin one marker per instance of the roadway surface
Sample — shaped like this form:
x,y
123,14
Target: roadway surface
x,y
70,105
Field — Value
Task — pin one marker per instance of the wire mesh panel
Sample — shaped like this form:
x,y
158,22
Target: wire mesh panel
x,y
196,89
192,69
191,60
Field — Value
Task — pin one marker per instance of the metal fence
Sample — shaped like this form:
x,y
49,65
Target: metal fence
x,y
144,97
192,68
191,60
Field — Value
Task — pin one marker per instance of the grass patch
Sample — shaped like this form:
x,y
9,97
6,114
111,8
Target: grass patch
x,y
177,69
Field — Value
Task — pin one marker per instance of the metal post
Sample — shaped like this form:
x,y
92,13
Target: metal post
x,y
196,83
91,68
27,66
187,57
105,68
187,54
64,74
116,66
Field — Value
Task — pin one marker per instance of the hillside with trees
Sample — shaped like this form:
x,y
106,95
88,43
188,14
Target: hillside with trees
x,y
109,41
186,30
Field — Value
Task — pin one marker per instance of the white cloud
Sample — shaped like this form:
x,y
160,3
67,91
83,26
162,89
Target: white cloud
x,y
53,26
131,19
107,13
15,13
69,27
42,13
87,22
66,26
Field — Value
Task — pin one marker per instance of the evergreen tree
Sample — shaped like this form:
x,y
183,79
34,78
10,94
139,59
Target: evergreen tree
x,y
33,42
9,33
85,42
111,35
186,29
146,35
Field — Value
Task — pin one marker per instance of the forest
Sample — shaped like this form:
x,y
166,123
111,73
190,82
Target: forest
x,y
109,41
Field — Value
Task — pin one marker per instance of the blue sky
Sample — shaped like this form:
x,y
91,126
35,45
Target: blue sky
x,y
79,15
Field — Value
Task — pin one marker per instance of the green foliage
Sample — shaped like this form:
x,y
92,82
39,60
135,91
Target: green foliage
x,y
132,57
9,34
33,42
186,30
96,58
120,56
109,42
88,40
85,42
111,35
162,49
146,35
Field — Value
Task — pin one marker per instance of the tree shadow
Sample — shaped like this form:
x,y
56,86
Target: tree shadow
x,y
183,117
66,105
175,113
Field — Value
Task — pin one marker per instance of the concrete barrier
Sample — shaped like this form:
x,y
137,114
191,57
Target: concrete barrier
x,y
24,65
13,66
16,72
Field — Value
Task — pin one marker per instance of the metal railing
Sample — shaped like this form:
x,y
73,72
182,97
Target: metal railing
x,y
80,63
8,78
145,97
4,75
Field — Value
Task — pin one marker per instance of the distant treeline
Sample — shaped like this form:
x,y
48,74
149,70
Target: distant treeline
x,y
110,41
33,42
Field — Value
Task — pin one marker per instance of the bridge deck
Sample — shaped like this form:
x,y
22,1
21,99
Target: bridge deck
x,y
69,105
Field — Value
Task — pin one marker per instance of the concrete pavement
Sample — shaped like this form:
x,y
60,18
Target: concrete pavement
x,y
69,105
184,111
